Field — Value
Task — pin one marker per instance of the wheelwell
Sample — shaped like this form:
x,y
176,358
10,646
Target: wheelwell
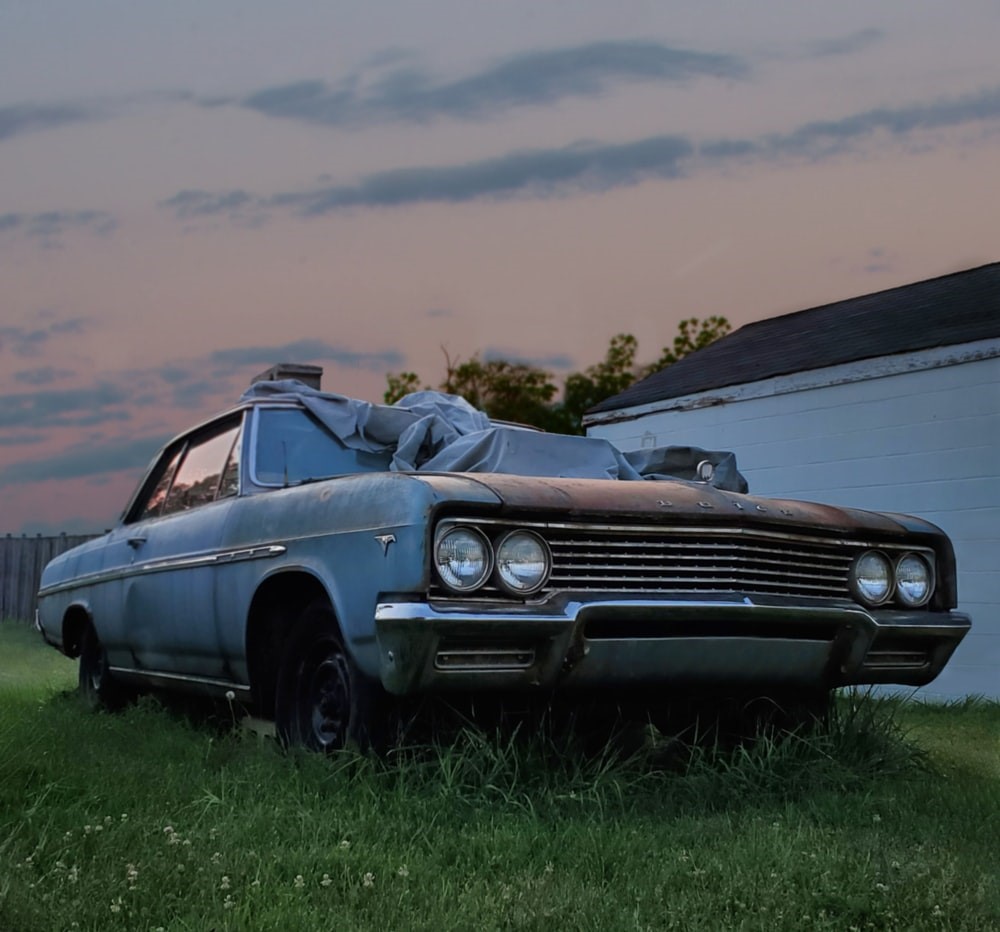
x,y
276,604
75,622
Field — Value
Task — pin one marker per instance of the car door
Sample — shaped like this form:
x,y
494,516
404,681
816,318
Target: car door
x,y
173,540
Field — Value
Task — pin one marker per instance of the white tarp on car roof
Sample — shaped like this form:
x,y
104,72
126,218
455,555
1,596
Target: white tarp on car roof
x,y
438,432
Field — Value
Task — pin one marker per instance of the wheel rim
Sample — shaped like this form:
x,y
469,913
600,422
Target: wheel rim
x,y
96,664
325,710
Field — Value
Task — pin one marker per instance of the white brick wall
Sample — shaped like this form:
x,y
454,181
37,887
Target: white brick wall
x,y
924,441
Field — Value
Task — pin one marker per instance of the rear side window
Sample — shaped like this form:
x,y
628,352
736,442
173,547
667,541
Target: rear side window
x,y
199,476
290,446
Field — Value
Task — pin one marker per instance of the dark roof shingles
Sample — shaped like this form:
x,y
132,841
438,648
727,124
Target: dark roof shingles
x,y
959,308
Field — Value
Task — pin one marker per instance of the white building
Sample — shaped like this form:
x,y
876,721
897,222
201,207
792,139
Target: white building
x,y
890,401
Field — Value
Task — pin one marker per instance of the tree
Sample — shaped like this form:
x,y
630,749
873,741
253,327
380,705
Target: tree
x,y
505,390
399,384
692,334
517,391
585,389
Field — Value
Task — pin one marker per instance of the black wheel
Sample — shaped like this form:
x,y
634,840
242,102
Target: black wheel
x,y
323,702
97,686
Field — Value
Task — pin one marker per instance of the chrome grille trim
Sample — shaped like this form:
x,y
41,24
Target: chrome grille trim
x,y
720,560
691,559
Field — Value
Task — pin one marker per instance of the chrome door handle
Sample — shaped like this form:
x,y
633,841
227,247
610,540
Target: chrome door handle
x,y
136,542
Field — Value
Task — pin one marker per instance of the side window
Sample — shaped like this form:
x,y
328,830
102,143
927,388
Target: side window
x,y
230,484
155,502
200,473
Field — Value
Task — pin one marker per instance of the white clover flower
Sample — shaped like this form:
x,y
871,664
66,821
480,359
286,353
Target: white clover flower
x,y
326,881
224,883
369,879
345,844
299,881
228,902
403,871
107,820
216,857
74,874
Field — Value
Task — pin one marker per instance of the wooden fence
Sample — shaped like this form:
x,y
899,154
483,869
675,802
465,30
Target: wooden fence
x,y
22,560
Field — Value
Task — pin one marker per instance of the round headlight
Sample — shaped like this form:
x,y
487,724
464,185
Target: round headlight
x,y
871,577
914,580
523,562
463,558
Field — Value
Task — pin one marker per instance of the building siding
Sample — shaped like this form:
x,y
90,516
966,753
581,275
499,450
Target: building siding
x,y
924,442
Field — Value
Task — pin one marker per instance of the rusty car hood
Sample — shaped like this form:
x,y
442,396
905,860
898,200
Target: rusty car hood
x,y
657,500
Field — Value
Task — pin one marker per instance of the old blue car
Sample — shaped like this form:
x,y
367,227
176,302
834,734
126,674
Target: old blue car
x,y
315,556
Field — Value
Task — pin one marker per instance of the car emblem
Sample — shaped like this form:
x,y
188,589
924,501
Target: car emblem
x,y
385,540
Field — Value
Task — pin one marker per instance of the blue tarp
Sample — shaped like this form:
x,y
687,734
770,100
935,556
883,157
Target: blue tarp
x,y
437,432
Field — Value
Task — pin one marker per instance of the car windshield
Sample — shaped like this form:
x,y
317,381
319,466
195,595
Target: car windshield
x,y
291,447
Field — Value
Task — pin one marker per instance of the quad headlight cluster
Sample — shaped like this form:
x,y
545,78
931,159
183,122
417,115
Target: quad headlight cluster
x,y
518,561
908,579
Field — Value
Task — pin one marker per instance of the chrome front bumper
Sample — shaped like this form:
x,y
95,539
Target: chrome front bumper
x,y
622,642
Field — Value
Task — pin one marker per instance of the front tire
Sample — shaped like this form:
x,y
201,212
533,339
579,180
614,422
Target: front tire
x,y
97,686
323,701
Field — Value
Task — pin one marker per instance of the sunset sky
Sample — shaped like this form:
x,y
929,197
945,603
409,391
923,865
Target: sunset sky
x,y
190,192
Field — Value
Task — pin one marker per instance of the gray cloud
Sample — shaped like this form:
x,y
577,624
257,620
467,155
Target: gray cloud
x,y
48,226
44,375
827,136
189,205
538,172
531,79
85,460
19,119
306,350
99,404
845,45
28,341
18,440
594,167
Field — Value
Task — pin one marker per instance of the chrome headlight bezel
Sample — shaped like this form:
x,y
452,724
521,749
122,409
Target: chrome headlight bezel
x,y
449,579
503,580
859,590
901,593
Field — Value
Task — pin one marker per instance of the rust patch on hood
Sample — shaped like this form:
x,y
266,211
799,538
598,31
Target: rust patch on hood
x,y
659,501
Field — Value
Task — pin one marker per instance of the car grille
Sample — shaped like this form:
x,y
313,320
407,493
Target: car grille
x,y
649,559
705,562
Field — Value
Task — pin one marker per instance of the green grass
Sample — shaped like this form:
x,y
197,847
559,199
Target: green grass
x,y
144,820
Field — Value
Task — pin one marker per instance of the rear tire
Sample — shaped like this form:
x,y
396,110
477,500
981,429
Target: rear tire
x,y
98,687
323,701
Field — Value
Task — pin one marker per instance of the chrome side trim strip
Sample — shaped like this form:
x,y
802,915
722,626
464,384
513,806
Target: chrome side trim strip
x,y
159,676
265,552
